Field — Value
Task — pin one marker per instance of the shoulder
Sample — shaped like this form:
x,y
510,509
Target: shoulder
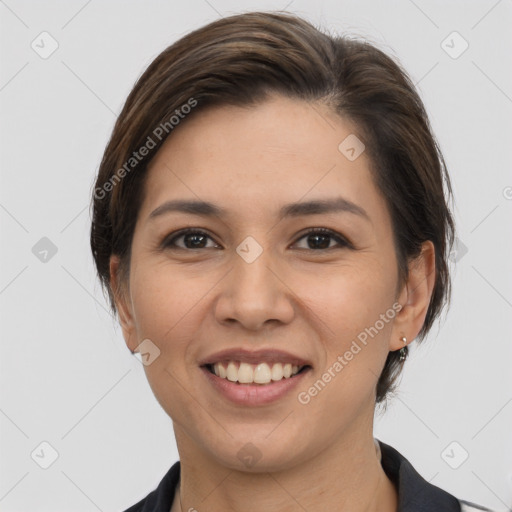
x,y
160,499
414,492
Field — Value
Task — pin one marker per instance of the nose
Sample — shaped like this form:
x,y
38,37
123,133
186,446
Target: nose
x,y
254,294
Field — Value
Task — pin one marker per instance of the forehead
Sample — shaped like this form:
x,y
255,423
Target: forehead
x,y
255,159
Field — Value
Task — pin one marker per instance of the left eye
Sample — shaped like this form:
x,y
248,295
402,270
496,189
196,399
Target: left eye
x,y
321,239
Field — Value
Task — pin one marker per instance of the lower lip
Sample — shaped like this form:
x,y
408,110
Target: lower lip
x,y
254,394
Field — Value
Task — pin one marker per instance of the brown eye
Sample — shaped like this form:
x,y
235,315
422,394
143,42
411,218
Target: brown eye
x,y
192,239
320,239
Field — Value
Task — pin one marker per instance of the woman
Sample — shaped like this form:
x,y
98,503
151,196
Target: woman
x,y
271,226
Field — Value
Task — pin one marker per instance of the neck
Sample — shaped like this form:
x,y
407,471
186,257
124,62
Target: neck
x,y
346,476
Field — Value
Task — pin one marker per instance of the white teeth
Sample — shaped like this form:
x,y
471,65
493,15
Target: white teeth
x,y
245,373
261,373
277,371
232,372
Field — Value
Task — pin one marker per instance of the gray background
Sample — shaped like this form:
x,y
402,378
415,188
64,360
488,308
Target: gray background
x,y
66,375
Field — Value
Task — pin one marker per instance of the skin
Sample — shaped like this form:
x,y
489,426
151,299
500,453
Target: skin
x,y
311,302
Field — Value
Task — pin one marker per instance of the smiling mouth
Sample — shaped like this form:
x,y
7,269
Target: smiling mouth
x,y
261,373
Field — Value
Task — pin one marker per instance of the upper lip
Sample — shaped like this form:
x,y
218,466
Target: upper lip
x,y
254,356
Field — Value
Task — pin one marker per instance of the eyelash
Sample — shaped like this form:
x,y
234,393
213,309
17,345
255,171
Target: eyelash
x,y
169,241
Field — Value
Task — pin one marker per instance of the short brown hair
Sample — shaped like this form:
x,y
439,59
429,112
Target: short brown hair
x,y
239,60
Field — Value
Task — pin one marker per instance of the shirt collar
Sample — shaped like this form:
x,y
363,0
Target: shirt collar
x,y
415,494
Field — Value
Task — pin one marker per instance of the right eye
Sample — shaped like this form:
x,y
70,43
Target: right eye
x,y
192,239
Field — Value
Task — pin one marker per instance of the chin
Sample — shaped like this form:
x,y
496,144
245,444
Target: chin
x,y
252,453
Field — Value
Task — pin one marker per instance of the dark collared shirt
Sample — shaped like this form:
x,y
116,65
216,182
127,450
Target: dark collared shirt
x,y
415,494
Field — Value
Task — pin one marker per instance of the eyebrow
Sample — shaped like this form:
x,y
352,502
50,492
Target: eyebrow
x,y
315,207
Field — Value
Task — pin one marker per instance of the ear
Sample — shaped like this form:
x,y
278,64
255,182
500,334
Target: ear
x,y
123,304
415,297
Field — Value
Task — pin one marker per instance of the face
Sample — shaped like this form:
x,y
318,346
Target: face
x,y
260,282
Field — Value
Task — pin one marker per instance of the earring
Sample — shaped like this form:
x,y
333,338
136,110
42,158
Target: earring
x,y
403,350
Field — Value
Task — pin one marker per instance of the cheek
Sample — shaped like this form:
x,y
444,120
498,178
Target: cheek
x,y
166,305
162,295
168,310
347,300
353,308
